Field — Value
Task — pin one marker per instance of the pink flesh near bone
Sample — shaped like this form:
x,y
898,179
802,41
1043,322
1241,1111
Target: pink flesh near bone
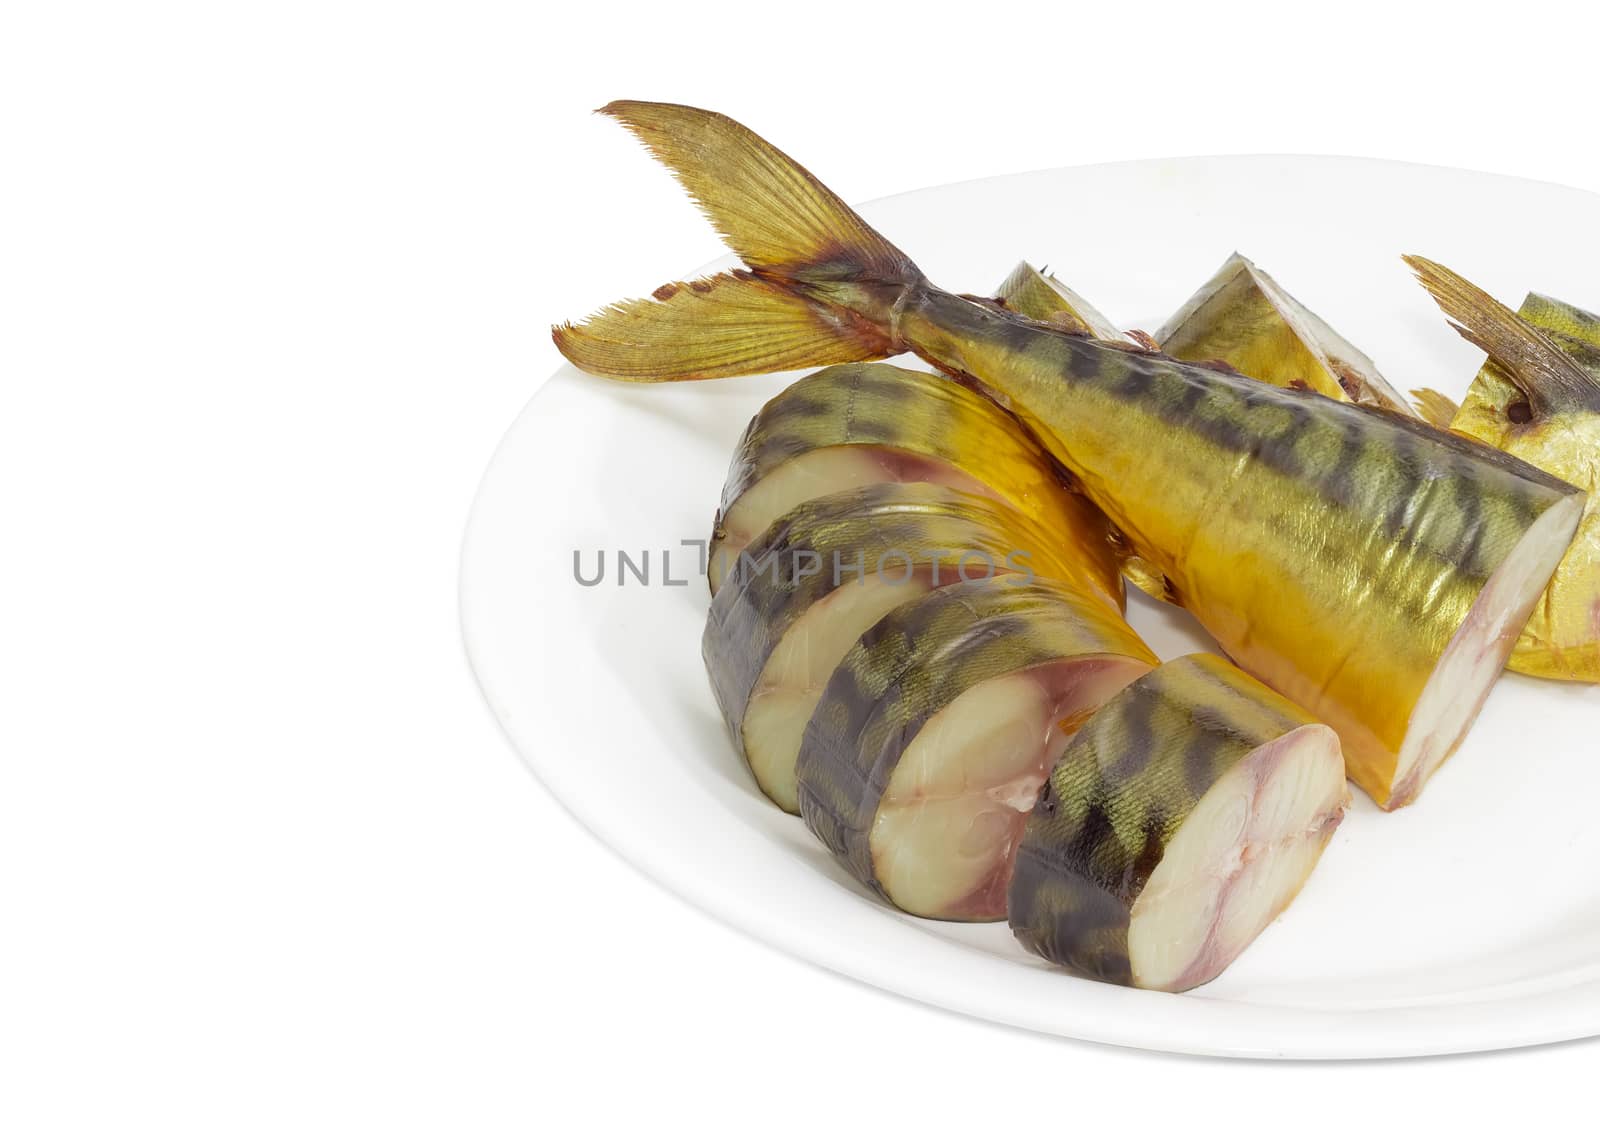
x,y
817,473
1476,655
1238,860
945,837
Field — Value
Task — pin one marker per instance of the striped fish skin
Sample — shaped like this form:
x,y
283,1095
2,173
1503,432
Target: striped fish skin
x,y
918,426
1577,330
1121,792
1244,319
927,534
1367,566
1332,550
1562,639
914,664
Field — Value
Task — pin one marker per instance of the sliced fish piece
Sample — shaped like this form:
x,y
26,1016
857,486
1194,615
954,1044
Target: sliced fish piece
x,y
936,731
853,425
1373,569
1182,818
819,576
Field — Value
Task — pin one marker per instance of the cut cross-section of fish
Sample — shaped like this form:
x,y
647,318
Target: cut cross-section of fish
x,y
1182,818
929,746
1246,320
1480,649
1537,398
1333,550
808,587
854,425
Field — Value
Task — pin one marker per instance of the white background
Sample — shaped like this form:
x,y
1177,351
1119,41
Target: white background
x,y
273,280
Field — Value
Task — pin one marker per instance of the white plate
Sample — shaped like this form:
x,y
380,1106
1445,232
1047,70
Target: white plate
x,y
1470,921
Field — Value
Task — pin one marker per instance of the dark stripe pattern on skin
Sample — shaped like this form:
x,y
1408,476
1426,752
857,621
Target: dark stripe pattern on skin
x,y
1295,434
1567,324
1331,549
915,662
761,599
1337,565
929,416
1123,787
1357,455
1562,638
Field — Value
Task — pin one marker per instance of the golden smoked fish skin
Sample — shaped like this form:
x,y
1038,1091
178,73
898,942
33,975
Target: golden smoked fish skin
x,y
1135,775
1515,405
902,675
1044,297
1332,550
1370,568
876,546
915,426
1241,318
1244,318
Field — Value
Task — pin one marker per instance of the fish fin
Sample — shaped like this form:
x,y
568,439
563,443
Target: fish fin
x,y
1150,579
1224,366
1144,340
1435,407
732,324
769,210
1540,370
822,287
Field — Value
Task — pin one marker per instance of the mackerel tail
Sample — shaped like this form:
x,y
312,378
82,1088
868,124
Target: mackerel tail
x,y
1371,569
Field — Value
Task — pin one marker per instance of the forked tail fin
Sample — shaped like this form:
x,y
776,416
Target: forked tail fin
x,y
821,286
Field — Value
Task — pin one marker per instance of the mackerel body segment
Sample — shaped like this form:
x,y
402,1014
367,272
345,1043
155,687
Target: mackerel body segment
x,y
1339,553
820,575
1538,399
1368,567
1182,818
934,734
852,425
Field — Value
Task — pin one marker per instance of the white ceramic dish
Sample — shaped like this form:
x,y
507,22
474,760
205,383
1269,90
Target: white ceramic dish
x,y
1470,921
